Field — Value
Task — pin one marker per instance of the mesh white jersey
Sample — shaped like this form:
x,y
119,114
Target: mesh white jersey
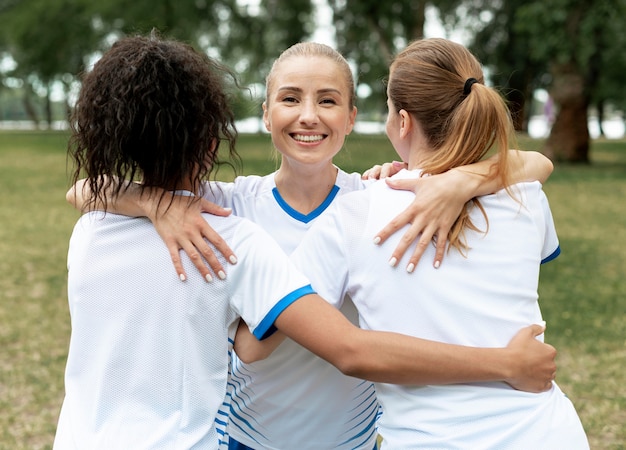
x,y
148,357
481,300
293,399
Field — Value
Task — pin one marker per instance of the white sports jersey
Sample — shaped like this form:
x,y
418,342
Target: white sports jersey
x,y
148,357
480,300
293,399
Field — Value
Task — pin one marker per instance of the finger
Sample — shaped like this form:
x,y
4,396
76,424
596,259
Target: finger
x,y
420,248
212,208
374,173
425,239
441,244
387,170
398,222
416,236
198,261
422,245
219,243
440,250
406,184
392,168
405,241
538,329
213,262
399,165
178,265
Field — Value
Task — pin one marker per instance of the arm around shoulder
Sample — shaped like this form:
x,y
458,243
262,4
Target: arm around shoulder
x,y
395,358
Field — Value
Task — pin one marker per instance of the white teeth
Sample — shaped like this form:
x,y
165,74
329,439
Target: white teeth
x,y
308,138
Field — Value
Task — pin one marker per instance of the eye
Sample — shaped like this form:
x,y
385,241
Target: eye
x,y
289,99
328,101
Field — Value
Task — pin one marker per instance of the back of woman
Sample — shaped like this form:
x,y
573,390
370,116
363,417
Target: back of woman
x,y
479,300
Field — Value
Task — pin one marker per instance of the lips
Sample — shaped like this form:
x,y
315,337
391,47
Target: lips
x,y
308,137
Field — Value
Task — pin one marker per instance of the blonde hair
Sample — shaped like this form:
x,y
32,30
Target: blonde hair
x,y
312,49
462,120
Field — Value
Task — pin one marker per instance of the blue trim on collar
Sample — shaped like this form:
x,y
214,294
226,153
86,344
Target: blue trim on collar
x,y
305,218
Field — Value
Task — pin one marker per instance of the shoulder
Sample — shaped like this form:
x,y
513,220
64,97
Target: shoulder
x,y
528,193
253,184
348,182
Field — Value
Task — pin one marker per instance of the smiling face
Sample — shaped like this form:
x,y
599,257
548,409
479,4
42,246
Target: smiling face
x,y
308,110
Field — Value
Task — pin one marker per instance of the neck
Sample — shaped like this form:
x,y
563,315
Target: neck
x,y
304,191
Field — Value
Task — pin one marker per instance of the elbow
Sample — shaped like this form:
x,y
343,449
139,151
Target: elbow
x,y
355,362
70,196
249,354
75,194
248,358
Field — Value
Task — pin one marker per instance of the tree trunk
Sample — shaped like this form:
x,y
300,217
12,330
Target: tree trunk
x,y
569,137
29,108
48,107
600,106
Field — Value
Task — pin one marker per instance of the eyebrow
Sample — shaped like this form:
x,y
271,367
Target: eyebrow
x,y
320,91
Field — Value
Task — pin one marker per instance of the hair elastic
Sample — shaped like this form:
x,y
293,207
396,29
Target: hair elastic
x,y
468,86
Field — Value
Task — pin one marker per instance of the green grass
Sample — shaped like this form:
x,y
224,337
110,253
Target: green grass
x,y
583,292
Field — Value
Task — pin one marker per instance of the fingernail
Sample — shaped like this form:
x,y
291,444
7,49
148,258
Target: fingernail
x,y
377,240
208,277
393,261
410,268
221,274
228,209
543,323
233,259
182,277
437,264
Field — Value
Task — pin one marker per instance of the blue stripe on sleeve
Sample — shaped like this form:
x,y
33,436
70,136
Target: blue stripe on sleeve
x,y
266,328
554,254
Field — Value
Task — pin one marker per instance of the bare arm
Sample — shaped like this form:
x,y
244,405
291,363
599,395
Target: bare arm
x,y
442,197
249,349
179,223
525,364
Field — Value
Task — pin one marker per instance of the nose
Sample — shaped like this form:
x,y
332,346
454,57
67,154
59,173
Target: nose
x,y
308,113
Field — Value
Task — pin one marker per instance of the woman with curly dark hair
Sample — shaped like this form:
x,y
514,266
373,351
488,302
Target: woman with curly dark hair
x,y
151,108
148,360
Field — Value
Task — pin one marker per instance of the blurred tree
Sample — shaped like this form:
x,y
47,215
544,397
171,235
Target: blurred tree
x,y
573,48
498,47
582,45
49,41
245,35
255,35
52,41
370,33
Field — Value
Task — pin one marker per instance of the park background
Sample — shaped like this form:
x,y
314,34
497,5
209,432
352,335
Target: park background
x,y
560,63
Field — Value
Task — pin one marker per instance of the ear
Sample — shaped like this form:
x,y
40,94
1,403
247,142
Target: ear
x,y
406,123
266,120
351,121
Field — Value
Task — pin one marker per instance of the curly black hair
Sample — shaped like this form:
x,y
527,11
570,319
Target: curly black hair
x,y
151,109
